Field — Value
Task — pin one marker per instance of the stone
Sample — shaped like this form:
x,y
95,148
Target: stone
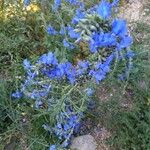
x,y
85,142
132,11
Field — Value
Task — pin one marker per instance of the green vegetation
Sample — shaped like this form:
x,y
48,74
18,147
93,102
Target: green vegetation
x,y
22,36
127,113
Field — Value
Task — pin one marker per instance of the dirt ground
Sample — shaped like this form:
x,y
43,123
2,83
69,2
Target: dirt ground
x,y
134,11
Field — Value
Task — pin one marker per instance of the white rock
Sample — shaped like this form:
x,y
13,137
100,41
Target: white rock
x,y
132,11
85,142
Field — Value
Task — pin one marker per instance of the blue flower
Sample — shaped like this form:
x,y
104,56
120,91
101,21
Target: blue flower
x,y
101,69
99,76
65,143
43,59
89,91
93,46
82,5
66,127
26,64
102,40
67,123
70,72
28,80
52,147
79,15
51,30
59,125
82,67
107,39
38,104
67,44
17,94
38,94
57,4
26,2
62,30
60,72
130,54
119,27
73,120
109,59
83,64
125,42
71,76
48,59
104,9
72,33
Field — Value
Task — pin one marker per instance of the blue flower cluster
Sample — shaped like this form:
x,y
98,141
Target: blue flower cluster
x,y
48,70
117,37
54,70
100,40
67,123
48,66
101,69
104,9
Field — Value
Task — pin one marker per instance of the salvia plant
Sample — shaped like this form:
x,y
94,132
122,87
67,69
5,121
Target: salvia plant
x,y
63,85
